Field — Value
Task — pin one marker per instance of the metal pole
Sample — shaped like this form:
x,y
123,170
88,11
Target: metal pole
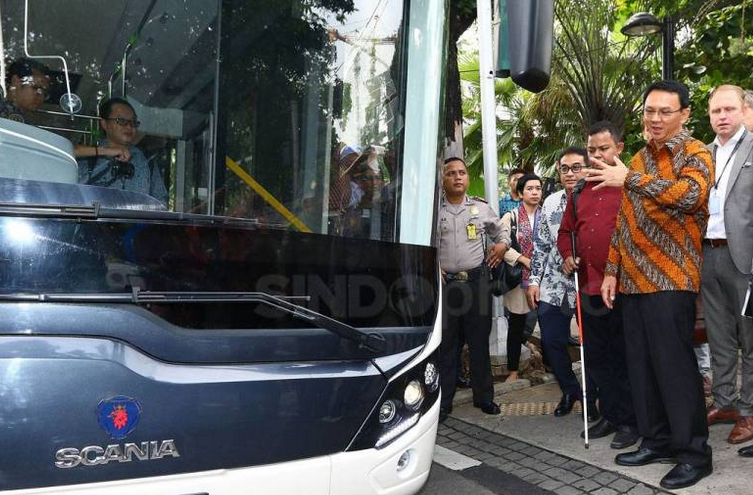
x,y
488,104
668,48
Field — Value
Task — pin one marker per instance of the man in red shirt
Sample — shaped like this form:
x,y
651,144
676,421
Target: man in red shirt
x,y
591,216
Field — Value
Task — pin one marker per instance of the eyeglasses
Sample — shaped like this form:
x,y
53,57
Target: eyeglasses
x,y
124,122
38,89
564,169
664,113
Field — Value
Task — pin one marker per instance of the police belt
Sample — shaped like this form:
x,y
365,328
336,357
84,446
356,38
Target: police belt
x,y
467,275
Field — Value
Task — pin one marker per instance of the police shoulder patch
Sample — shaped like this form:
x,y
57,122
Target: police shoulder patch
x,y
480,200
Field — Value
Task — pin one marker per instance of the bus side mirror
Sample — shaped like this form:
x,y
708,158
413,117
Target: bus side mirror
x,y
525,42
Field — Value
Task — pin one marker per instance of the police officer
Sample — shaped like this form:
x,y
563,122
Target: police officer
x,y
465,223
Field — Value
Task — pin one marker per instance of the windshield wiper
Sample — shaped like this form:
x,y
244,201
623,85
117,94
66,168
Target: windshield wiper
x,y
96,211
372,341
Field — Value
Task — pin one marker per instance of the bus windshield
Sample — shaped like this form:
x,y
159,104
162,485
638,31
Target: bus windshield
x,y
287,113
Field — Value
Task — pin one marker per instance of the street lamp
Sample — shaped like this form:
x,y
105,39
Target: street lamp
x,y
645,24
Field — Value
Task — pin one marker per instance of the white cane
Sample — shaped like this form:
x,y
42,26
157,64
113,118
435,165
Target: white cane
x,y
584,400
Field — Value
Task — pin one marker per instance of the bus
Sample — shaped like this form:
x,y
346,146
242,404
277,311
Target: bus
x,y
268,322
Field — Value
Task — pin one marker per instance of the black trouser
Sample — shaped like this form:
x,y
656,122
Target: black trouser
x,y
467,307
554,322
667,388
606,366
515,331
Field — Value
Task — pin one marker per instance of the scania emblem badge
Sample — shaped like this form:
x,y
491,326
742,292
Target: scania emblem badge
x,y
119,416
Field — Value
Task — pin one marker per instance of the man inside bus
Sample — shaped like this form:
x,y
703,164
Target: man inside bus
x,y
115,162
27,86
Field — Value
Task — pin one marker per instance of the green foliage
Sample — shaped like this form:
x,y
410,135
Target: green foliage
x,y
720,51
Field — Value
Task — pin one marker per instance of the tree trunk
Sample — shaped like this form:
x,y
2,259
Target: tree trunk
x,y
462,15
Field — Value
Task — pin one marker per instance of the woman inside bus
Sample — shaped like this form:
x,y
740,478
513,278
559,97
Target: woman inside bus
x,y
524,221
115,162
27,84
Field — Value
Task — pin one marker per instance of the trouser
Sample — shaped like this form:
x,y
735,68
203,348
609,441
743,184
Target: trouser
x,y
515,331
555,330
723,289
466,307
667,389
604,349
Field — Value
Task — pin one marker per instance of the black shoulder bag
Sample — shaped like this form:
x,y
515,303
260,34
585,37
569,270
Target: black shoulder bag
x,y
505,277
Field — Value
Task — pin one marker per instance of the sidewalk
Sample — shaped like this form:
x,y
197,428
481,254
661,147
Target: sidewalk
x,y
527,441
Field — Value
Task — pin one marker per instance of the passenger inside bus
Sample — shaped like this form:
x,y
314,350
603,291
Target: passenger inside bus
x,y
28,86
115,162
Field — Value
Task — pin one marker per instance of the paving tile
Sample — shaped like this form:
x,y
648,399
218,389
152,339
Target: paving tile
x,y
550,485
544,455
604,478
515,456
535,478
523,472
530,451
574,465
641,489
588,485
622,485
556,461
588,471
604,491
567,490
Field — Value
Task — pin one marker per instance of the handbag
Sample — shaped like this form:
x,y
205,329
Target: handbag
x,y
505,277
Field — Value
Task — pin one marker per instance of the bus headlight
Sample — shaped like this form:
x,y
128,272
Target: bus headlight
x,y
401,406
413,395
387,411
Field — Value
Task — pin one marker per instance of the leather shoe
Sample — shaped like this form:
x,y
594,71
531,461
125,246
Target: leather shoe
x,y
644,456
743,430
600,430
625,437
726,415
593,412
684,475
746,451
567,402
489,408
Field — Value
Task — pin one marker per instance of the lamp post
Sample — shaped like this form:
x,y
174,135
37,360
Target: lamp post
x,y
645,24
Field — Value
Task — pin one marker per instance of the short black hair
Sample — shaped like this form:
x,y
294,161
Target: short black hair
x,y
516,170
105,108
455,158
522,182
573,150
24,67
670,86
606,126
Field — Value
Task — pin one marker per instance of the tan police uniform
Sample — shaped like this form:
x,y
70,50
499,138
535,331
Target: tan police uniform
x,y
463,228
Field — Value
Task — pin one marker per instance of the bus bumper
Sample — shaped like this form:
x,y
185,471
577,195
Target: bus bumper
x,y
363,472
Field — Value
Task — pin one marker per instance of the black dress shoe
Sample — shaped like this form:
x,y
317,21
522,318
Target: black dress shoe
x,y
600,430
593,412
625,437
489,408
746,451
644,456
684,475
566,405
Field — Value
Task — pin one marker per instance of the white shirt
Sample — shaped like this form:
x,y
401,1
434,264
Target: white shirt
x,y
715,229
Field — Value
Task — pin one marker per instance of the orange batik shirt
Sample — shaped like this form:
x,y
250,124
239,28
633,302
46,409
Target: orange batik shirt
x,y
656,245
